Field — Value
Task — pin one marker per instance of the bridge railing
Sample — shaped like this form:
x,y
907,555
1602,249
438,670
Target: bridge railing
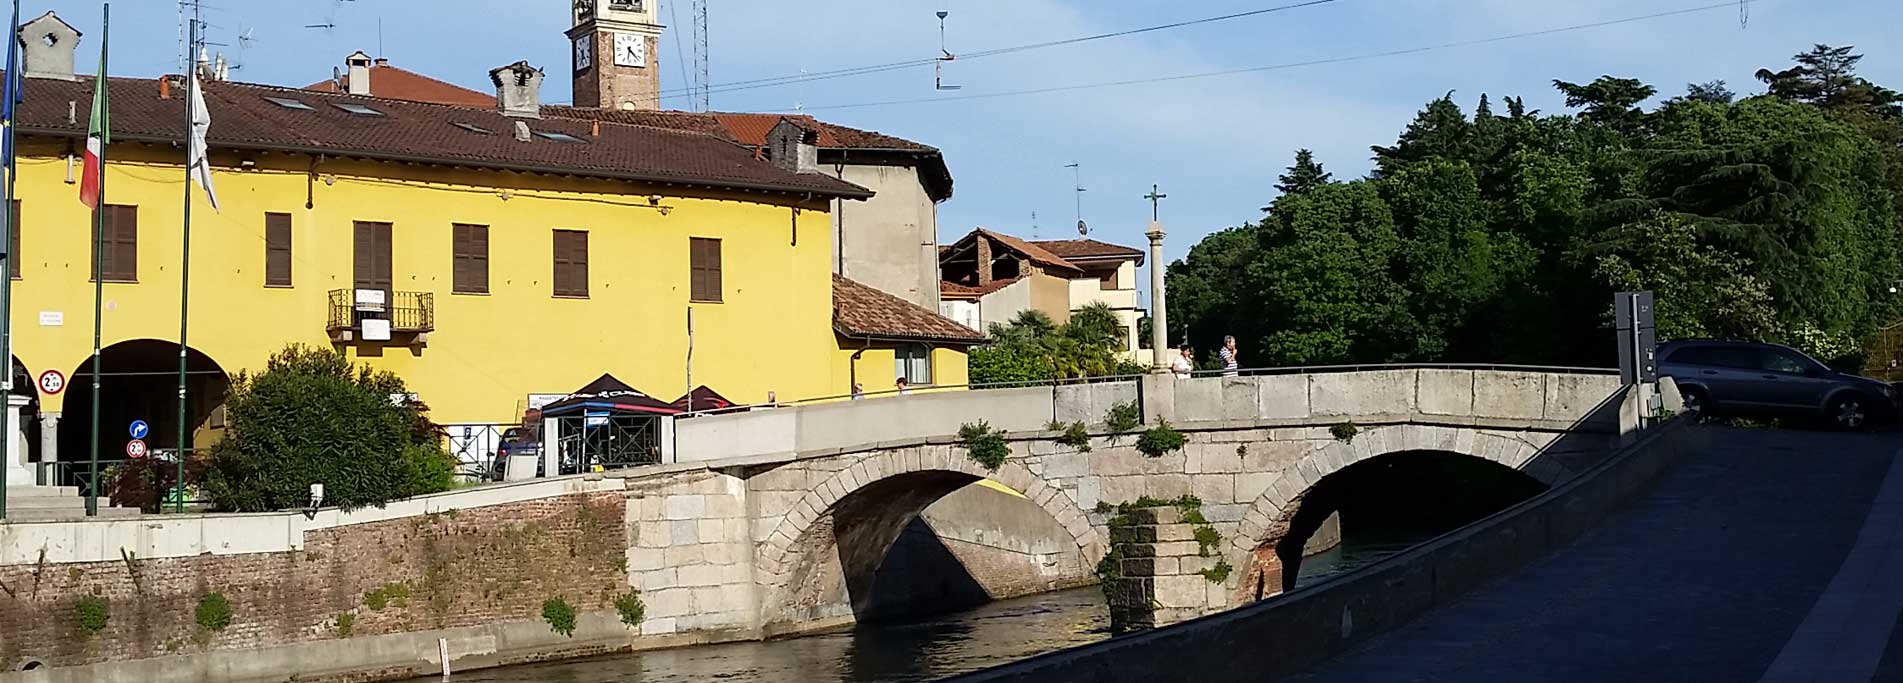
x,y
1296,395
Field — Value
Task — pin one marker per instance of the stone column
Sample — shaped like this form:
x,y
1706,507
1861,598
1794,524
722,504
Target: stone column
x,y
49,436
18,472
1159,318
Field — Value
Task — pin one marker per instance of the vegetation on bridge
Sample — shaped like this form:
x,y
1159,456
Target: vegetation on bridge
x,y
1033,348
1770,217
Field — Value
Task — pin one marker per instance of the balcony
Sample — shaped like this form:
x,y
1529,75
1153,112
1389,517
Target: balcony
x,y
381,315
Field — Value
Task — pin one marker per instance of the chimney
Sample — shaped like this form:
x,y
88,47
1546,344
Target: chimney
x,y
522,131
50,44
383,61
359,79
792,147
518,90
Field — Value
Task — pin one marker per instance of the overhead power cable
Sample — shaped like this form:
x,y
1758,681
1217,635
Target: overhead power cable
x,y
1732,4
928,61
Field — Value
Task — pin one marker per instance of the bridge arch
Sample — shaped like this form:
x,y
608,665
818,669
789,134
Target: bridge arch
x,y
833,539
1270,534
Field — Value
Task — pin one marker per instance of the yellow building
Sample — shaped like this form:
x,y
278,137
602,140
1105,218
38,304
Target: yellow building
x,y
486,255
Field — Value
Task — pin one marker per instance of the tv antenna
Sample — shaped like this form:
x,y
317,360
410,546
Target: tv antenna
x,y
1744,13
944,55
245,40
330,22
1077,184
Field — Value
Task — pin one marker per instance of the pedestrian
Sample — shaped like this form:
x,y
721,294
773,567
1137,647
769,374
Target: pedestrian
x,y
1184,364
1230,366
858,391
904,386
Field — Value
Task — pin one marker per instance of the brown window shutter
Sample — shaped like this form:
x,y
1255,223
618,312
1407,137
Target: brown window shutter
x,y
371,258
470,254
571,263
277,249
120,243
704,269
13,243
362,242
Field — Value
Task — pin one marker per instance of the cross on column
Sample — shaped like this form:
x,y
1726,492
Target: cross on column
x,y
1156,197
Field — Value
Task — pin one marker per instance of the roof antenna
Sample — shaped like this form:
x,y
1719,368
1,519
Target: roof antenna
x,y
944,55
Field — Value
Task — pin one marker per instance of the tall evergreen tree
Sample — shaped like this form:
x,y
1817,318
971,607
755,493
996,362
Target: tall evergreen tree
x,y
1609,101
1304,176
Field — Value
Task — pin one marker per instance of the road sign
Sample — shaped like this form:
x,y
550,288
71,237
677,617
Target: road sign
x,y
140,429
135,449
52,382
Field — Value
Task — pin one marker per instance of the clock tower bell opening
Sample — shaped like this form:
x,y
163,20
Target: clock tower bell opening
x,y
615,52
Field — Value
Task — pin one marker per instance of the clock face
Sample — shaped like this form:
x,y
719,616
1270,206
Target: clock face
x,y
584,53
631,49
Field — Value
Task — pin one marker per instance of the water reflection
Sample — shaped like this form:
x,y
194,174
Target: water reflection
x,y
1355,552
942,646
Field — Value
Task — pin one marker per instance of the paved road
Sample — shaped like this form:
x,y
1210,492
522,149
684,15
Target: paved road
x,y
1751,561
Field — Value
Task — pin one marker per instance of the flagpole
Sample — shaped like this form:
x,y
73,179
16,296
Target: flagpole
x,y
99,270
185,269
6,228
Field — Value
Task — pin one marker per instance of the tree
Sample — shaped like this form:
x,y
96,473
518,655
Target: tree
x,y
1701,291
311,417
1208,298
1033,348
1608,101
1710,92
1440,130
1304,176
1323,279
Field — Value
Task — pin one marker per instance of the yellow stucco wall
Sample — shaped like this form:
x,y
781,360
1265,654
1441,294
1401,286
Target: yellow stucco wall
x,y
772,333
877,370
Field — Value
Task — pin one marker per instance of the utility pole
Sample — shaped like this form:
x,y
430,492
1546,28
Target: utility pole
x,y
1077,184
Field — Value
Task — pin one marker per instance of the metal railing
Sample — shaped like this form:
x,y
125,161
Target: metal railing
x,y
1106,379
406,311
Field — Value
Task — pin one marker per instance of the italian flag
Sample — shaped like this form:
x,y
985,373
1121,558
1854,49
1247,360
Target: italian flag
x,y
97,135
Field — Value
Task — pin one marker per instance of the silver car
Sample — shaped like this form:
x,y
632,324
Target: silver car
x,y
1748,378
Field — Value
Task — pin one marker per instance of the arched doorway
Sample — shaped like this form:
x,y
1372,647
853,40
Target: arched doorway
x,y
1385,504
140,382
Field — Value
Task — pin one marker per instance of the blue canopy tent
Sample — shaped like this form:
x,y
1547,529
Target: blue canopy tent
x,y
605,425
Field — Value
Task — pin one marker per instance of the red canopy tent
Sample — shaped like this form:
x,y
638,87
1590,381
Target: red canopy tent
x,y
703,399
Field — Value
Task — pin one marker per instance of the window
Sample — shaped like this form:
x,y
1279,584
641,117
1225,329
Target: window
x,y
13,243
558,137
1786,362
120,256
358,109
473,128
703,256
371,257
571,263
914,363
277,250
289,103
469,249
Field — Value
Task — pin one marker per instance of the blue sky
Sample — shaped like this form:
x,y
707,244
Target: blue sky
x,y
1215,145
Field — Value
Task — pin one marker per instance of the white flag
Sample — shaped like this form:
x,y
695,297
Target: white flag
x,y
197,157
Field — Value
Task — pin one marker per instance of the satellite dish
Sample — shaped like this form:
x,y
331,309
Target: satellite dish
x,y
1082,229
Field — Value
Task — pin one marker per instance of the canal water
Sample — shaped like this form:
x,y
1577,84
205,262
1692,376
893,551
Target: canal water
x,y
924,650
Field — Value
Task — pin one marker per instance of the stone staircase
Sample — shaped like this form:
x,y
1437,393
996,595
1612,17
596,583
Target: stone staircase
x,y
47,503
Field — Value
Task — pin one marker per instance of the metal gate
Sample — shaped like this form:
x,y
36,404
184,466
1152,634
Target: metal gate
x,y
604,442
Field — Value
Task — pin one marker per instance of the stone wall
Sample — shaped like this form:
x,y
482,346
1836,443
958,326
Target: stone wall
x,y
690,552
451,569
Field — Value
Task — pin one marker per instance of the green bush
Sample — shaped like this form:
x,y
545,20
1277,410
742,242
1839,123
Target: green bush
x,y
346,621
1123,418
1160,440
631,608
986,446
1075,435
91,614
313,417
559,615
1217,573
1345,432
214,612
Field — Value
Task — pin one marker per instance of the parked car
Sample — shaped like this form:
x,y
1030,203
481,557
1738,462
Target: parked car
x,y
1754,379
515,440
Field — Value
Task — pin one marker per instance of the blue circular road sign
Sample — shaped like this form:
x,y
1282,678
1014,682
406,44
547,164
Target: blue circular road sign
x,y
140,429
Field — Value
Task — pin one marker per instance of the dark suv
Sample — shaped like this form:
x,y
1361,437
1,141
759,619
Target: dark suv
x,y
1747,378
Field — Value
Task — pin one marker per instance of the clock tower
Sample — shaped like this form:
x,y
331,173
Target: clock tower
x,y
614,46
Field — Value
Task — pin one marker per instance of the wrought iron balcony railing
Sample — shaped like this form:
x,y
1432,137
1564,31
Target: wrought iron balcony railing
x,y
407,312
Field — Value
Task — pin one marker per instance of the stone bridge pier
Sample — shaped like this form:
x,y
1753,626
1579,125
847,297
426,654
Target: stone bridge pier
x,y
786,520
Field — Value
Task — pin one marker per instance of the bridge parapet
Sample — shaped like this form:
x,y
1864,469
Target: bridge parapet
x,y
1550,398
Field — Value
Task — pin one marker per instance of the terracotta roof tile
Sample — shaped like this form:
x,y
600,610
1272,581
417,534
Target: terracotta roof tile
x,y
411,131
864,312
958,291
1036,254
403,84
1090,249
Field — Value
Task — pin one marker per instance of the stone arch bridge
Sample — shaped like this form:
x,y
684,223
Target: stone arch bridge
x,y
780,521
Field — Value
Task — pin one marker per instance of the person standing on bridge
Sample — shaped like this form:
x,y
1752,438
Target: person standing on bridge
x,y
1230,366
1184,364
